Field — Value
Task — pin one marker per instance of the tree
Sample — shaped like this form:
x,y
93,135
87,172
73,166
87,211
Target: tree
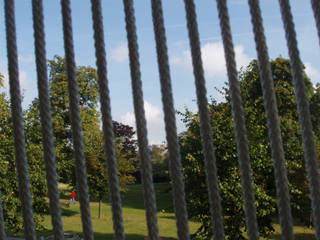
x,y
96,161
8,176
260,155
125,143
315,110
126,132
160,164
88,100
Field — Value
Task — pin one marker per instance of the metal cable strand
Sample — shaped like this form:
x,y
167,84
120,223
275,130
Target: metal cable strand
x,y
113,181
304,113
239,122
144,152
170,122
316,13
2,228
76,121
46,122
17,122
273,122
205,123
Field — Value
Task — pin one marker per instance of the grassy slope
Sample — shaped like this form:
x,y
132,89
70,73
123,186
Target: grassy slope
x,y
134,218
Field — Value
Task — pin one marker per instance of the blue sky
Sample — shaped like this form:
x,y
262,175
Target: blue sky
x,y
178,47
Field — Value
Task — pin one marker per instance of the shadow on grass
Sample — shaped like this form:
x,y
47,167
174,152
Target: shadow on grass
x,y
97,235
298,236
163,203
68,212
174,218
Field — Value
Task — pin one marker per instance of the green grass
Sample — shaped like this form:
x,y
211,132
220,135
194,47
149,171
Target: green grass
x,y
301,232
134,220
134,217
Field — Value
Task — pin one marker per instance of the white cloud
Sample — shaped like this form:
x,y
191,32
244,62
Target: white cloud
x,y
120,53
313,73
155,122
213,60
154,114
24,77
24,80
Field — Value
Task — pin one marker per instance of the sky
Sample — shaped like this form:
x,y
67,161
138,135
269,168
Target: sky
x,y
178,50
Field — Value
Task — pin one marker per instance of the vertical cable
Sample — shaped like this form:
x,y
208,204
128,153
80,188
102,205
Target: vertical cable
x,y
2,228
108,134
144,152
170,122
316,13
205,123
273,122
304,113
46,122
17,122
76,121
239,122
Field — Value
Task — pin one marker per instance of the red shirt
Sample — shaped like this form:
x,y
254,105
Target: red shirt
x,y
73,194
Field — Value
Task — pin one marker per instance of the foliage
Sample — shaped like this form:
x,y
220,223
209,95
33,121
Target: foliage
x,y
96,163
127,134
260,155
88,101
160,164
8,175
92,135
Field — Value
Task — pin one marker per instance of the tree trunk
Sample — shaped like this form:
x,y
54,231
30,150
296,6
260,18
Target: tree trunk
x,y
100,207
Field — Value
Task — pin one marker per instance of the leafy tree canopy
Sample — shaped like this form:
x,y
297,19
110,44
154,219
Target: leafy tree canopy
x,y
260,154
8,174
125,143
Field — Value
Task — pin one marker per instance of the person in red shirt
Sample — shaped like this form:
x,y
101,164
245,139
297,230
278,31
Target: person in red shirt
x,y
73,195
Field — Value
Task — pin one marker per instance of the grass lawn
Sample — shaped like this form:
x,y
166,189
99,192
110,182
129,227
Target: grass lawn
x,y
134,217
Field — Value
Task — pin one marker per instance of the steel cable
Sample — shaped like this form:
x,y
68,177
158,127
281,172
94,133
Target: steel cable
x,y
170,122
239,121
76,121
144,152
205,123
273,122
17,122
46,122
304,113
108,135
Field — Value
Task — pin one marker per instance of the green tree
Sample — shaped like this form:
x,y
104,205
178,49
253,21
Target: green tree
x,y
88,100
92,135
96,161
315,110
160,164
8,175
260,155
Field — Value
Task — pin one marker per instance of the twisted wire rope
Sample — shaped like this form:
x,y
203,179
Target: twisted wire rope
x,y
46,122
273,122
239,122
17,122
2,228
316,13
144,152
205,123
304,113
76,121
170,122
108,135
